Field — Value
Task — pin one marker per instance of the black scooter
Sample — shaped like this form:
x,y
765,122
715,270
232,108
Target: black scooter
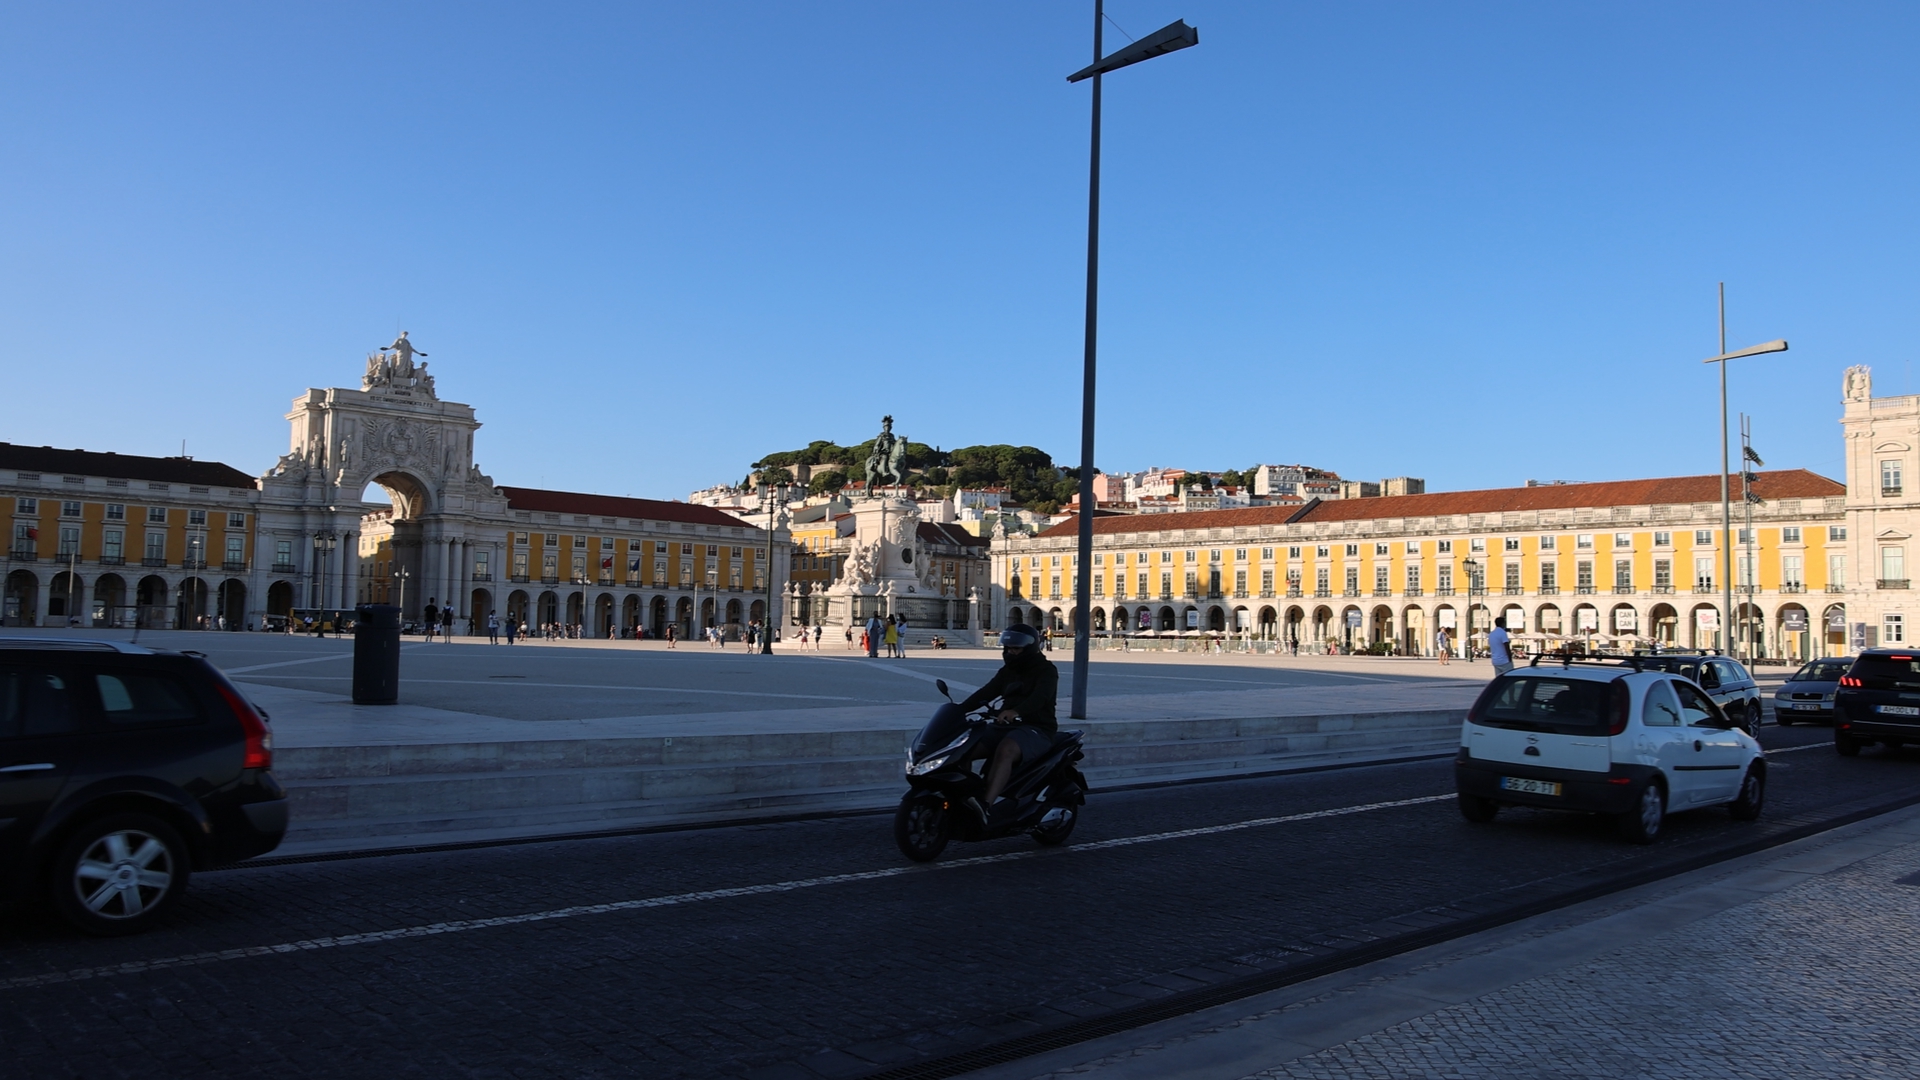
x,y
944,770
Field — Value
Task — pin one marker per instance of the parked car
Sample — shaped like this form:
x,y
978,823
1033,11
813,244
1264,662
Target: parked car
x,y
1609,737
122,770
1724,679
1878,701
1809,694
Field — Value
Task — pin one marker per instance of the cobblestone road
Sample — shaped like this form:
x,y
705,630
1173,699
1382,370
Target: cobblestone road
x,y
828,978
1820,980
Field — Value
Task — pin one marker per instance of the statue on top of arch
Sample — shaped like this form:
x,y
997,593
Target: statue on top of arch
x,y
392,368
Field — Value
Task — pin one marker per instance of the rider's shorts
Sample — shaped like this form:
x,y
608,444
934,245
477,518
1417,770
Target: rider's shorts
x,y
1033,742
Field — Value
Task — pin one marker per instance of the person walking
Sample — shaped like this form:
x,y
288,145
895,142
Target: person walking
x,y
673,634
446,625
850,637
431,616
1443,644
513,627
892,634
493,627
816,637
1500,647
900,642
874,630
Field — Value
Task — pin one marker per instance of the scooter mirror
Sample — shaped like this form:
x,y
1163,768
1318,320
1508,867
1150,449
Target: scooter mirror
x,y
941,685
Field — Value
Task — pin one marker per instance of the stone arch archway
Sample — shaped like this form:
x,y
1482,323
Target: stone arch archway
x,y
151,596
22,598
657,616
231,604
110,601
517,602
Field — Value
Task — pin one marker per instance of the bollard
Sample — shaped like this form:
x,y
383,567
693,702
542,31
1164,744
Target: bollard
x,y
376,655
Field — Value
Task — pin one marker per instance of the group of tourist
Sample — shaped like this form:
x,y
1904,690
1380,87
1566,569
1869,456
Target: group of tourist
x,y
888,632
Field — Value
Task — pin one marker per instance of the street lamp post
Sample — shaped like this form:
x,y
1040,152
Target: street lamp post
x,y
1726,505
323,544
1176,36
1473,568
401,575
766,623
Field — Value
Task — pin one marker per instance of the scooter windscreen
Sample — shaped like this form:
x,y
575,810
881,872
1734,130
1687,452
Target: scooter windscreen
x,y
947,724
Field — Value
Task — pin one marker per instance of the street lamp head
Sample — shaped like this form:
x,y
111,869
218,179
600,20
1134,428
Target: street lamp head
x,y
1751,350
1168,39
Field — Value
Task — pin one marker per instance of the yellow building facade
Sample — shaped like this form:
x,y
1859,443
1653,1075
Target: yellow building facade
x,y
1620,563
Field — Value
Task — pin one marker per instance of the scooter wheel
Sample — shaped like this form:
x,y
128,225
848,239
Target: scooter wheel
x,y
1055,833
921,827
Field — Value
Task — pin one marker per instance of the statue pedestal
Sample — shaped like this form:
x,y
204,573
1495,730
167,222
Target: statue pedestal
x,y
884,576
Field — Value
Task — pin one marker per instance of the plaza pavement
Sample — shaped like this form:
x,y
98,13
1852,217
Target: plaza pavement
x,y
1795,962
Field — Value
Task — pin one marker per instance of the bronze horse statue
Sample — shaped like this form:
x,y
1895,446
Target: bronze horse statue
x,y
887,461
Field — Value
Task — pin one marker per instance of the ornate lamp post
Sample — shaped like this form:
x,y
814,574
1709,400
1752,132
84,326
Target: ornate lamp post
x,y
323,544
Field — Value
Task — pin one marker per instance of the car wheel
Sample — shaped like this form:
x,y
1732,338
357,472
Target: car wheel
x,y
1846,745
1642,824
1753,719
119,874
921,827
1753,795
1476,809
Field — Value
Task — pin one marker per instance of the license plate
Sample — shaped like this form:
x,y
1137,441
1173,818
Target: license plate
x,y
1900,710
1530,787
1810,706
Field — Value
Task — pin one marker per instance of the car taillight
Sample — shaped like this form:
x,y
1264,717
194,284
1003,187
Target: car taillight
x,y
259,737
1848,680
1622,706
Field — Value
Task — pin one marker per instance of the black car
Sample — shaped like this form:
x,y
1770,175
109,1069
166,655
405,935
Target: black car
x,y
1809,694
122,770
1878,701
1724,679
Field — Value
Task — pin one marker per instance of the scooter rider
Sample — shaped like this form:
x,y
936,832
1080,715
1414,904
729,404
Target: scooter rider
x,y
1027,684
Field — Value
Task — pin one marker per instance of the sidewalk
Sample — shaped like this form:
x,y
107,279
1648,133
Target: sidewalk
x,y
1797,962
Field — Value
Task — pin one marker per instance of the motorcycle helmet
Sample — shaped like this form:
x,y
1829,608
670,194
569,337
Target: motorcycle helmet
x,y
1019,640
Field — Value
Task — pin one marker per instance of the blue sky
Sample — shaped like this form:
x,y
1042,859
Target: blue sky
x,y
1472,242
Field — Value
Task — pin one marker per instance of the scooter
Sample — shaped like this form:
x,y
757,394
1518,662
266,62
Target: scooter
x,y
945,769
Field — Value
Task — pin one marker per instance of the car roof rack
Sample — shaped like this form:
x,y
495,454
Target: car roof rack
x,y
1568,659
75,645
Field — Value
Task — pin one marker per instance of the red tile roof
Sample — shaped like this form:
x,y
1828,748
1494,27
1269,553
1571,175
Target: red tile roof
x,y
1779,484
573,502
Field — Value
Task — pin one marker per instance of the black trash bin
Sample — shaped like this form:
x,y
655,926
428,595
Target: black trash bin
x,y
376,654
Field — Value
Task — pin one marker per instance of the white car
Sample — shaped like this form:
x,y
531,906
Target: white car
x,y
1605,737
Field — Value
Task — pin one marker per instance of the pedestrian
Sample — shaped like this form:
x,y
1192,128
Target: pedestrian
x,y
493,627
872,641
816,637
513,628
892,633
673,634
1500,648
446,624
1443,644
850,638
431,616
900,624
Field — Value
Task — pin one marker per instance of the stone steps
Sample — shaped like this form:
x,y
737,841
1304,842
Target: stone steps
x,y
357,797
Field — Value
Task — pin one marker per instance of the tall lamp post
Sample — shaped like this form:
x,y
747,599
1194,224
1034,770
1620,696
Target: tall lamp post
x,y
1474,584
1176,36
1726,505
401,575
323,545
766,625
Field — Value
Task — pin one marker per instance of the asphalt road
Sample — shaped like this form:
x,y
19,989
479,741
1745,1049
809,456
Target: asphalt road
x,y
805,948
